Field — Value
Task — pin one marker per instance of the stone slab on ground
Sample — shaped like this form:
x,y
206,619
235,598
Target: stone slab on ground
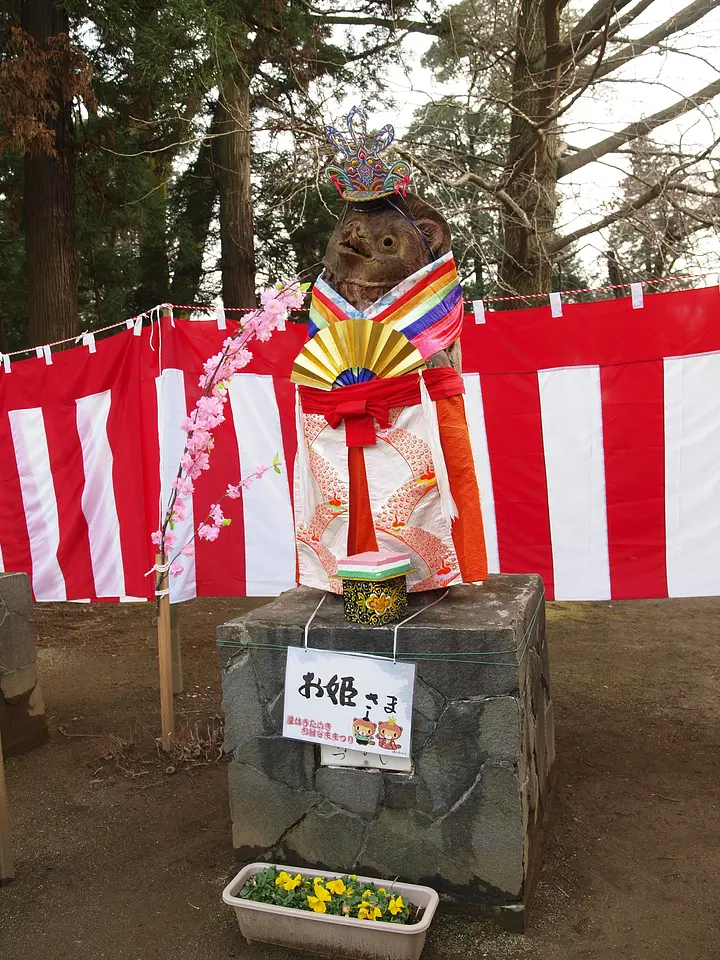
x,y
22,711
470,817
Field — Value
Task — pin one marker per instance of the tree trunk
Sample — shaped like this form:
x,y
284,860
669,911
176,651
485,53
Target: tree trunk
x,y
153,261
52,262
532,157
193,223
233,169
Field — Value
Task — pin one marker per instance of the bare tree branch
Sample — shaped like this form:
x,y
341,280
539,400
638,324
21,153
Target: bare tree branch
x,y
595,19
494,189
638,129
695,191
680,21
620,214
618,24
361,20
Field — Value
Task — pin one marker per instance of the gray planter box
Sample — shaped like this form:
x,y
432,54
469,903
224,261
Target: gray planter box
x,y
331,936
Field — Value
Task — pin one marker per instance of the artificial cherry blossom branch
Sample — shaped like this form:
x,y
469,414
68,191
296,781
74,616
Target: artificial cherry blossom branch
x,y
209,528
208,414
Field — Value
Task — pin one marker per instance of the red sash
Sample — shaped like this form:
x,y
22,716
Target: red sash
x,y
359,404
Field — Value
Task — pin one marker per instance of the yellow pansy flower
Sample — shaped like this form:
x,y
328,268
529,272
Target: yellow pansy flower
x,y
368,893
382,890
292,882
336,886
321,894
368,912
395,906
282,878
317,904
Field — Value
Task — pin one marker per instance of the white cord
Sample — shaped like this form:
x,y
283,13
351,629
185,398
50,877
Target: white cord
x,y
312,617
411,617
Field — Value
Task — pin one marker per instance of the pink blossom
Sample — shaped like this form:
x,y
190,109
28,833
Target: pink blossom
x,y
198,441
209,413
292,296
207,531
184,486
176,569
193,465
264,329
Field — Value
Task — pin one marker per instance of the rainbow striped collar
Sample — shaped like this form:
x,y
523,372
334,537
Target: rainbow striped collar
x,y
426,306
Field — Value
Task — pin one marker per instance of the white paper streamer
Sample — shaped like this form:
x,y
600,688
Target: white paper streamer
x,y
220,314
137,327
88,340
636,292
556,305
129,324
6,362
447,504
48,355
39,352
479,311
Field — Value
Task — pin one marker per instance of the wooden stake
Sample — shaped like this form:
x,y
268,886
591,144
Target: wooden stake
x,y
165,656
176,650
7,868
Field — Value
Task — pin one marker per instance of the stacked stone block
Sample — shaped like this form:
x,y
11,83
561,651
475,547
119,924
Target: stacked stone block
x,y
22,711
470,817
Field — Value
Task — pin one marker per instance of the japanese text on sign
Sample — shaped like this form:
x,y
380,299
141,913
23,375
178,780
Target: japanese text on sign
x,y
361,703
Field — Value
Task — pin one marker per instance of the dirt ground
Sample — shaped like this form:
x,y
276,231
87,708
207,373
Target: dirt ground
x,y
121,854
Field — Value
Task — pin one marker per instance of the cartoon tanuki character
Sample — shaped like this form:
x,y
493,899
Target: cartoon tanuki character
x,y
388,733
363,730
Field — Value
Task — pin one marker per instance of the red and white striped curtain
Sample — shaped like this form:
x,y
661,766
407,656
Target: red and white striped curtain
x,y
596,437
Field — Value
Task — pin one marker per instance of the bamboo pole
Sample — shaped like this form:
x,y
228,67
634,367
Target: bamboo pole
x,y
177,674
165,655
7,867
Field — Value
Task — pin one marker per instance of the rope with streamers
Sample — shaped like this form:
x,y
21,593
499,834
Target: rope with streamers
x,y
204,308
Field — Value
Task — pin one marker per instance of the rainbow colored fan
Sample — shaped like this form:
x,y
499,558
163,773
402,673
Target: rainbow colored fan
x,y
354,351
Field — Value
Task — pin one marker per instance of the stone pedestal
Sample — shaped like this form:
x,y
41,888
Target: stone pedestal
x,y
22,711
469,818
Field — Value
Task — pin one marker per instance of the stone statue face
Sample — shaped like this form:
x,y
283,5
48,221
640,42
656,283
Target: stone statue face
x,y
372,249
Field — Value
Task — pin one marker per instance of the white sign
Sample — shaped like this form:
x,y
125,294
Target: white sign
x,y
351,701
341,757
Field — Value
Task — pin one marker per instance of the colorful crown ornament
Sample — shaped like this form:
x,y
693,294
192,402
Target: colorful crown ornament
x,y
364,175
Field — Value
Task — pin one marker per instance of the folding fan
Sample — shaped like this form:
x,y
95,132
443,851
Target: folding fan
x,y
353,351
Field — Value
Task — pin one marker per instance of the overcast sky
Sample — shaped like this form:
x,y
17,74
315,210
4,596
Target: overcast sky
x,y
644,86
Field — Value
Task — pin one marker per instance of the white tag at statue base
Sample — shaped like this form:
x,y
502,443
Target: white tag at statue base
x,y
351,702
340,757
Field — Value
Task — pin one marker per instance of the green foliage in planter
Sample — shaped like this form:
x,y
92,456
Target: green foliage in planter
x,y
341,896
